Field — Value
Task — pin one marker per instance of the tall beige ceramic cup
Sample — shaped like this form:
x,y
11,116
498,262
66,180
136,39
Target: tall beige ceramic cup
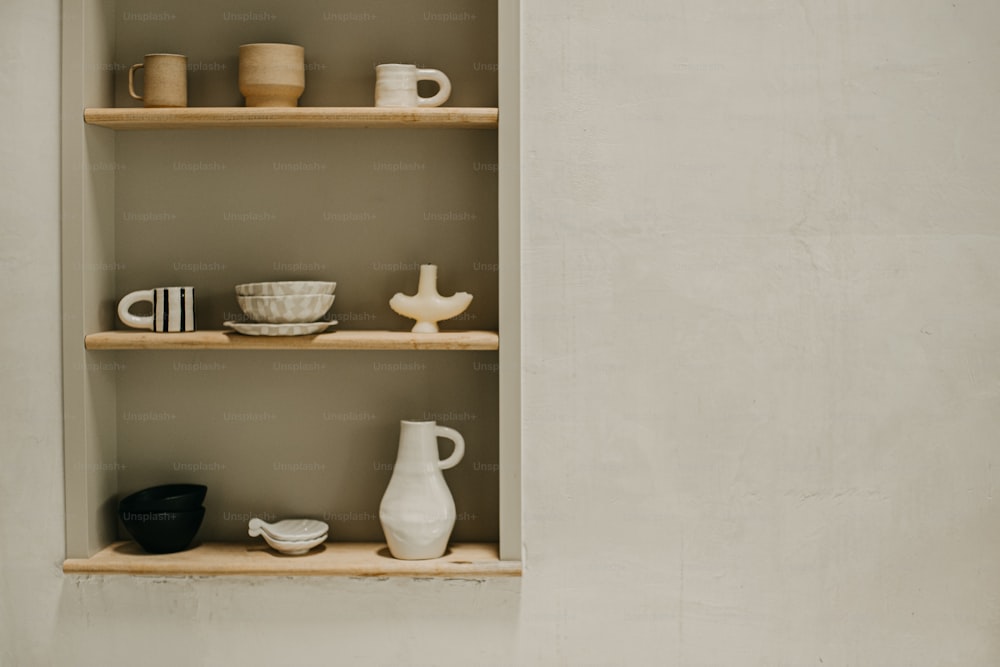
x,y
164,80
272,75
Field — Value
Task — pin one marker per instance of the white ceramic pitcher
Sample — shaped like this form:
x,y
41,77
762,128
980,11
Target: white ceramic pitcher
x,y
417,510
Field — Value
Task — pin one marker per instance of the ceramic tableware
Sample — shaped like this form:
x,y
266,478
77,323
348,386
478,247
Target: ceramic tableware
x,y
286,288
296,548
162,532
272,75
290,309
292,537
396,86
173,309
166,498
288,530
417,510
265,329
428,307
164,80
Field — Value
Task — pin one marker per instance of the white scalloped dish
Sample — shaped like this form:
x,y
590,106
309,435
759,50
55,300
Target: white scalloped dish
x,y
288,530
296,548
292,537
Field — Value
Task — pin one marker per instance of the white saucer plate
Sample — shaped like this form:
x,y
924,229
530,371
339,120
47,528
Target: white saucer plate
x,y
262,329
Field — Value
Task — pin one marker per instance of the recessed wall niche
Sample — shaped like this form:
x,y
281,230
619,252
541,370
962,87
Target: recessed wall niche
x,y
213,197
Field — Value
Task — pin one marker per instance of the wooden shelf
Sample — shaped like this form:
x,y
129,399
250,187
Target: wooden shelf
x,y
338,340
313,117
352,559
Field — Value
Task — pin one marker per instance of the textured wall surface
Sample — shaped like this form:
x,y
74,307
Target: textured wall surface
x,y
762,362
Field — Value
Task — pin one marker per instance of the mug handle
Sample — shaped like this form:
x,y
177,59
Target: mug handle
x,y
456,437
444,91
135,321
131,82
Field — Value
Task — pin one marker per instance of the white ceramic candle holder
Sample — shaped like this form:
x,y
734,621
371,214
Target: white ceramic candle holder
x,y
428,307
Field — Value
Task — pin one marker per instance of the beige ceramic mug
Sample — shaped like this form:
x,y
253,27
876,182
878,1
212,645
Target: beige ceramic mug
x,y
272,75
396,86
164,80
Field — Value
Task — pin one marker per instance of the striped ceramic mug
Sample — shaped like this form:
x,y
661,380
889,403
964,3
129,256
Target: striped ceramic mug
x,y
173,309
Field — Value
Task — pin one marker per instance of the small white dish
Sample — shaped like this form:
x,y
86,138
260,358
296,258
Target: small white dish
x,y
288,530
296,548
263,329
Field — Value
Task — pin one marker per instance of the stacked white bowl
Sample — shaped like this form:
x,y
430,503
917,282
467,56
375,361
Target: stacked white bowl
x,y
286,302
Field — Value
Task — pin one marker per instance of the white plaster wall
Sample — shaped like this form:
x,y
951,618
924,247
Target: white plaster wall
x,y
762,361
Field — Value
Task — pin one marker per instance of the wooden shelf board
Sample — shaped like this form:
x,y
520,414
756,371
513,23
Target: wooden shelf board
x,y
352,559
338,340
345,117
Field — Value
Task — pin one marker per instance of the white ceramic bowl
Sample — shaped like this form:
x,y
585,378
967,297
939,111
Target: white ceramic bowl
x,y
292,309
289,530
297,548
285,288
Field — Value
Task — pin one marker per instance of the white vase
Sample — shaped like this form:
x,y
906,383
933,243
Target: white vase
x,y
417,510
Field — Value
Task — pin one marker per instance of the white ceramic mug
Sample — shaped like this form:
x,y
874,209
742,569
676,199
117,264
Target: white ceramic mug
x,y
173,309
396,86
165,83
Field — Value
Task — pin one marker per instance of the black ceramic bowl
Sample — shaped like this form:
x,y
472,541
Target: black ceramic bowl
x,y
166,498
162,532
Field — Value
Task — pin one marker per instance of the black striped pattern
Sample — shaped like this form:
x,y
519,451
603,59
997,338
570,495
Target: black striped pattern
x,y
173,309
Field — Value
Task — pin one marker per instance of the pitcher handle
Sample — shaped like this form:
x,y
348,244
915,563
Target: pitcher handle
x,y
456,437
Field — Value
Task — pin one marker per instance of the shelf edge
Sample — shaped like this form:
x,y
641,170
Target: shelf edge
x,y
347,559
339,340
126,118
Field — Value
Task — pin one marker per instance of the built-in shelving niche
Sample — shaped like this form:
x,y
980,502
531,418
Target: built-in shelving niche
x,y
215,195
